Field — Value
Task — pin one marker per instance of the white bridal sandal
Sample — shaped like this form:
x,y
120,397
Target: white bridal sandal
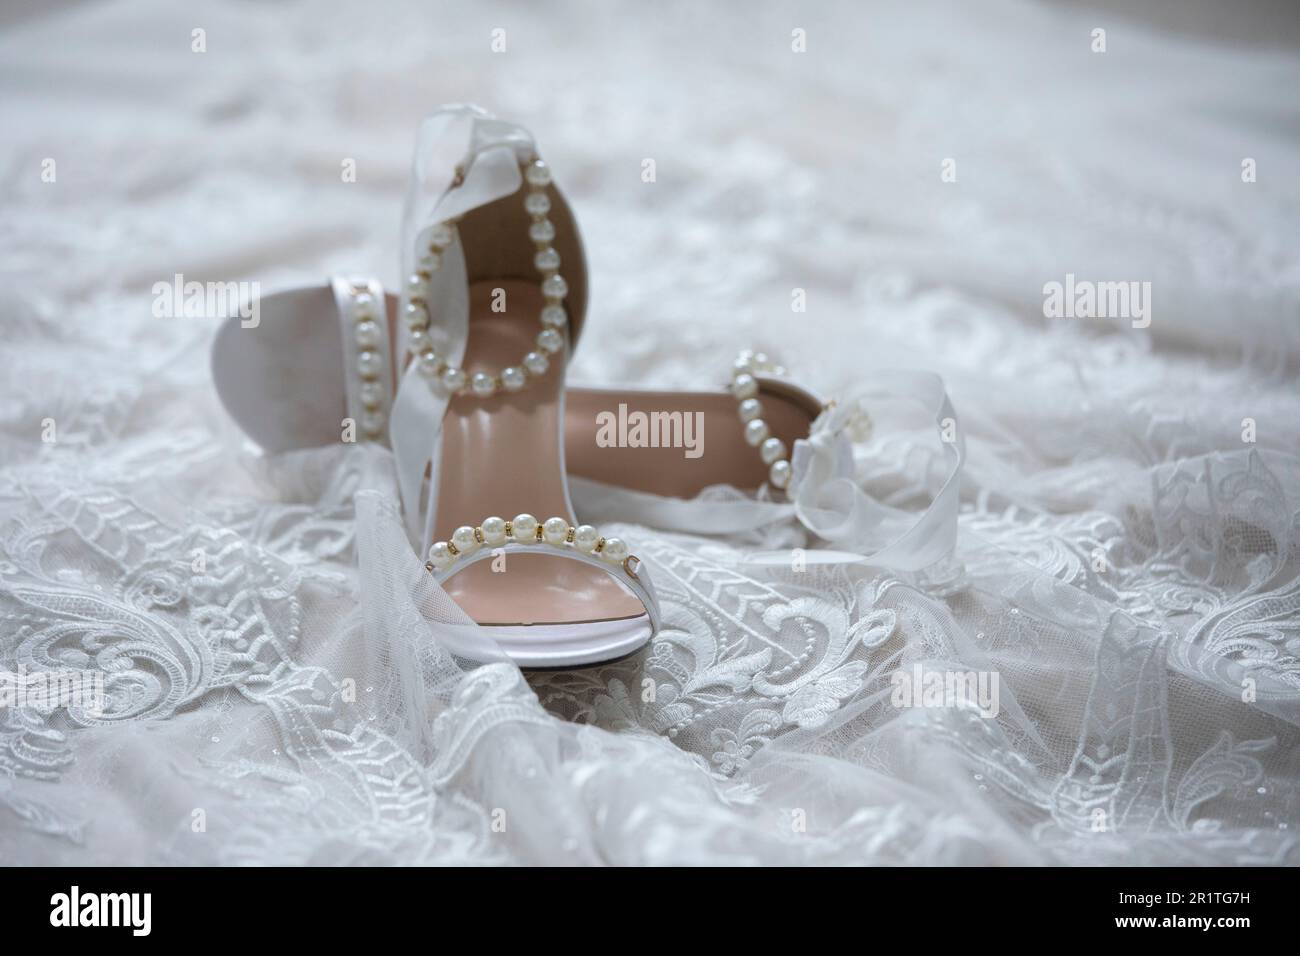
x,y
495,297
479,424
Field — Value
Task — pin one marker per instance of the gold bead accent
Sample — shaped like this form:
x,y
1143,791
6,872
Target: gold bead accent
x,y
451,546
478,535
510,529
538,535
600,546
569,537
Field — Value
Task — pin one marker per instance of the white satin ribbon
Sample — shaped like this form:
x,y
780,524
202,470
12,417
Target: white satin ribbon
x,y
830,502
824,493
464,158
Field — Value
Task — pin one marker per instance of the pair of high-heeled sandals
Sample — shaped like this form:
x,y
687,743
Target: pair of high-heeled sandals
x,y
462,375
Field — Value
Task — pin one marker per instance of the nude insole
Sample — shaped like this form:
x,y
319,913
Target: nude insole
x,y
501,456
724,455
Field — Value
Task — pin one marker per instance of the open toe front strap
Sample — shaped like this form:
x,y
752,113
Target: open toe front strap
x,y
554,537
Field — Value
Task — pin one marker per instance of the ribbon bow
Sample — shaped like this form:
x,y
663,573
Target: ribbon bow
x,y
829,501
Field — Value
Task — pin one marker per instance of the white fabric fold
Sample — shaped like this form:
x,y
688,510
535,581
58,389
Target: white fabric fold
x,y
831,503
1129,562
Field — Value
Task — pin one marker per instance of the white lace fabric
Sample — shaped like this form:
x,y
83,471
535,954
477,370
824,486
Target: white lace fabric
x,y
271,648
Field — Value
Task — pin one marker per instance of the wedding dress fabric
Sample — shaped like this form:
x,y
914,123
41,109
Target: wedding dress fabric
x,y
1126,553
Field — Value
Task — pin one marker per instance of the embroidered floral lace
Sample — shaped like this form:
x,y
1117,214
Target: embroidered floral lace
x,y
270,648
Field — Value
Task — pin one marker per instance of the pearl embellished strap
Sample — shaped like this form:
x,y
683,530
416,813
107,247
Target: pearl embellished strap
x,y
525,529
432,244
746,370
744,386
360,306
582,543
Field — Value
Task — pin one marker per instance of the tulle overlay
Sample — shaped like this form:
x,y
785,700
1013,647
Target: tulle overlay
x,y
1126,566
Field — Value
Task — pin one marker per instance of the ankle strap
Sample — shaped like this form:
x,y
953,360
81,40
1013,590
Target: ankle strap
x,y
465,159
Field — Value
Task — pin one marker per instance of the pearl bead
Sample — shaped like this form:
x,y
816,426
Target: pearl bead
x,y
537,204
369,364
743,364
418,342
554,316
555,530
554,287
550,340
428,364
543,230
538,173
464,540
372,394
524,528
750,409
615,550
548,260
367,334
440,236
771,450
756,431
779,475
440,555
744,385
372,422
537,363
416,315
585,537
417,286
513,378
363,301
429,262
494,531
453,379
482,384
